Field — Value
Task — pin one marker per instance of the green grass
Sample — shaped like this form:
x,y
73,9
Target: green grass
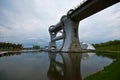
x,y
111,72
110,48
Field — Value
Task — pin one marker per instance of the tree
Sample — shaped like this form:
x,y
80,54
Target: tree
x,y
36,47
4,45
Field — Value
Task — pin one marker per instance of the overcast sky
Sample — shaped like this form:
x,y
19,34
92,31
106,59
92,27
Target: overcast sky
x,y
27,21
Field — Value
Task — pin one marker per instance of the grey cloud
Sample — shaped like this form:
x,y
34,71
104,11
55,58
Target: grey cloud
x,y
31,19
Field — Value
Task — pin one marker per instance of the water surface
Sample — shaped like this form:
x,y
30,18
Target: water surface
x,y
50,66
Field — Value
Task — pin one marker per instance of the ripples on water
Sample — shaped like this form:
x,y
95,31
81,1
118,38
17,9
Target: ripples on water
x,y
50,66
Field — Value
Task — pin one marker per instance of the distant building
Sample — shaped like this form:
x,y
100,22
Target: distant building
x,y
86,46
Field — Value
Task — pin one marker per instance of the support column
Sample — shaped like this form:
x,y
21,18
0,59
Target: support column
x,y
71,38
52,35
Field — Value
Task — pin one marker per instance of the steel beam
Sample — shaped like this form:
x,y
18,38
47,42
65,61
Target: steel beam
x,y
56,28
58,38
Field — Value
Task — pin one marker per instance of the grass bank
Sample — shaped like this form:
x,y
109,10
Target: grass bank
x,y
110,48
111,72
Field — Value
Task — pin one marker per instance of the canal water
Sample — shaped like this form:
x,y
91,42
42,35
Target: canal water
x,y
51,66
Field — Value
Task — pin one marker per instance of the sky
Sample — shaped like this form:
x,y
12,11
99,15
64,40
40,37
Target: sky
x,y
27,21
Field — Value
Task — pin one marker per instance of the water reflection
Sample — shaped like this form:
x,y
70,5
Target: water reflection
x,y
75,66
66,68
51,66
10,54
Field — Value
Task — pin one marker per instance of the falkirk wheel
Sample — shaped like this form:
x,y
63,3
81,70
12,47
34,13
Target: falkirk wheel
x,y
66,33
66,30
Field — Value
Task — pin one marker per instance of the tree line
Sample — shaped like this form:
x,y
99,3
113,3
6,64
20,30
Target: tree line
x,y
36,47
4,45
109,43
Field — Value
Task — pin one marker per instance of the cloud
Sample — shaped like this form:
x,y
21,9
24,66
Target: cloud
x,y
102,26
24,19
27,21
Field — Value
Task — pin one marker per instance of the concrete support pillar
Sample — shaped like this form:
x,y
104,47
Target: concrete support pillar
x,y
52,35
71,38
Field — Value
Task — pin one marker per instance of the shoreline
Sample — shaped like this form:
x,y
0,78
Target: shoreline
x,y
55,51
